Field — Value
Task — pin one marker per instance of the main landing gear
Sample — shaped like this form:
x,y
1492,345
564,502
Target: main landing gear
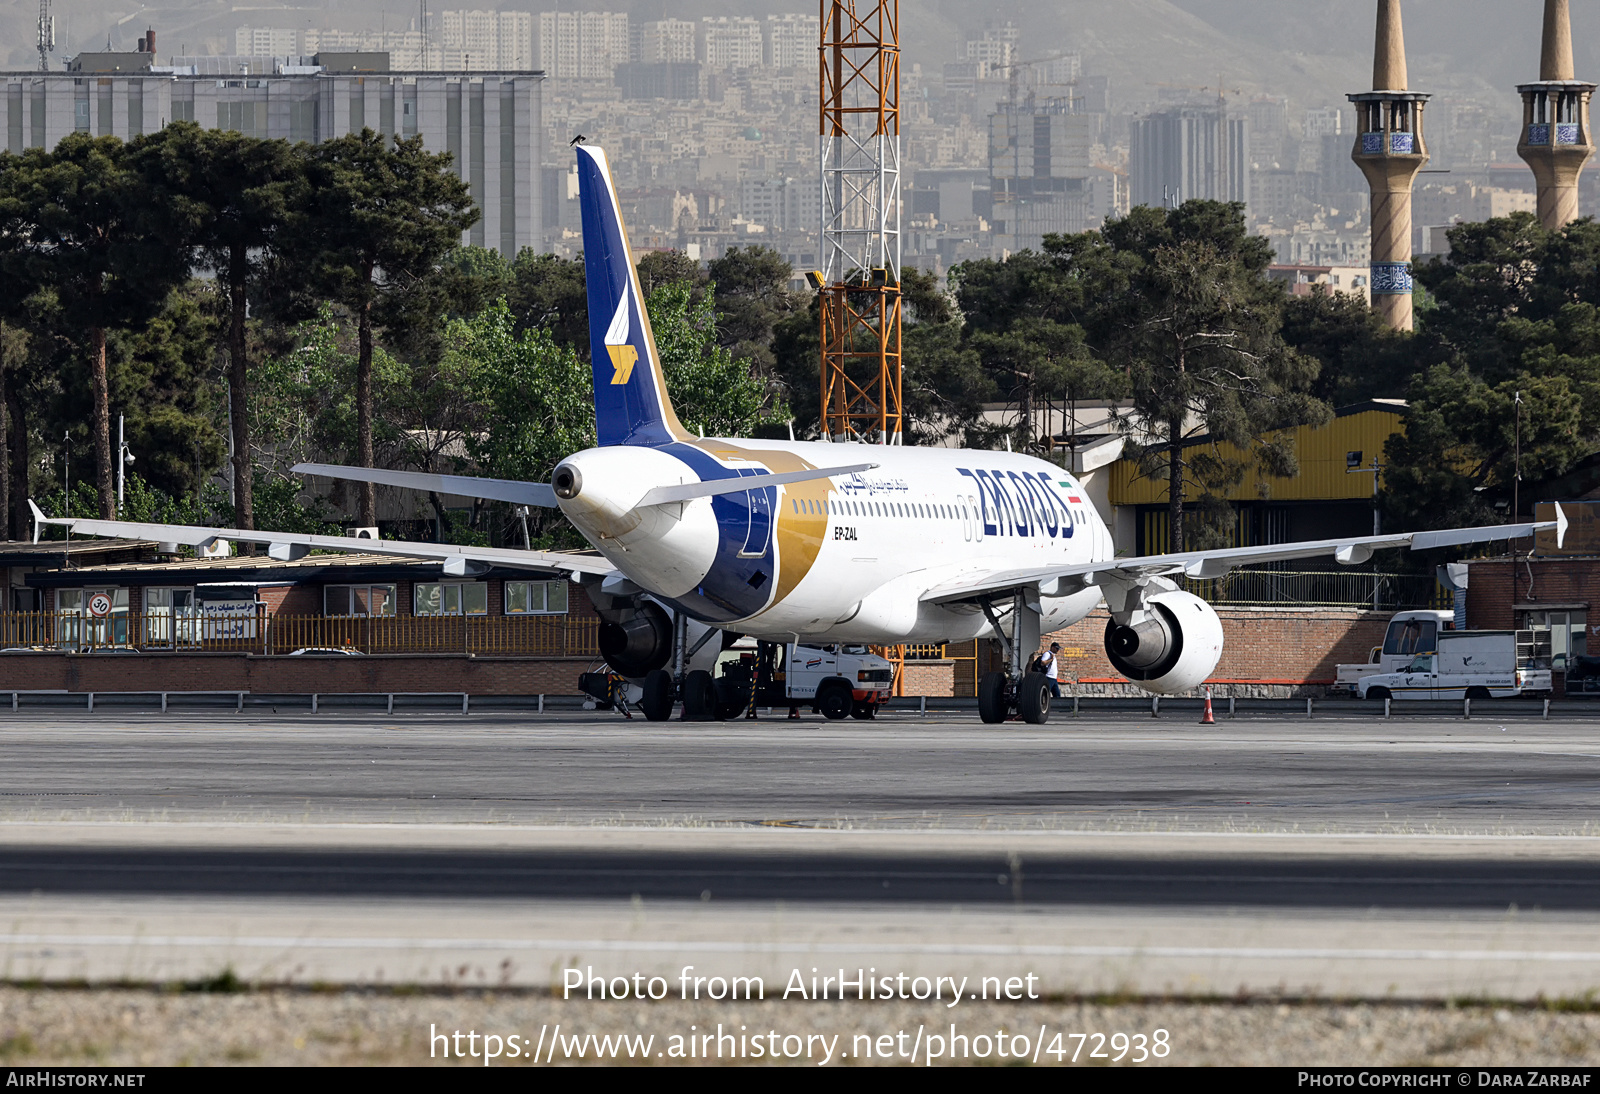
x,y
1015,691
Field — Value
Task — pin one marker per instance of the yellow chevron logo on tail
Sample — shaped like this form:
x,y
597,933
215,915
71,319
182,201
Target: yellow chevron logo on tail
x,y
623,358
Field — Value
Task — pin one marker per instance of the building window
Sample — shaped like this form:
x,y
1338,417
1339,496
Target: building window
x,y
456,598
1567,633
358,599
536,597
169,618
93,617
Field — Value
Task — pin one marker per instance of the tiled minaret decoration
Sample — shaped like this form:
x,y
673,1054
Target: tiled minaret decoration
x,y
1556,141
1390,150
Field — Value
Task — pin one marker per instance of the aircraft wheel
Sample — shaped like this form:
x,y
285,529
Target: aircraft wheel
x,y
1033,698
992,698
731,701
834,701
658,695
864,711
699,697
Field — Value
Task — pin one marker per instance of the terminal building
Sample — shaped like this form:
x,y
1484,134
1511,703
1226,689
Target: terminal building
x,y
491,123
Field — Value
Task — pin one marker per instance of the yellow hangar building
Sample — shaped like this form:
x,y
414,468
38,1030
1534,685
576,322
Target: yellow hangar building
x,y
1331,496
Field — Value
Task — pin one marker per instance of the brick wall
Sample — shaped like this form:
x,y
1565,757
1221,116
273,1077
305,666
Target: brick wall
x,y
1497,585
105,672
1266,651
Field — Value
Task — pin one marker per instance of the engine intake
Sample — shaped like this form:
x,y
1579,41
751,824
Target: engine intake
x,y
639,642
1173,649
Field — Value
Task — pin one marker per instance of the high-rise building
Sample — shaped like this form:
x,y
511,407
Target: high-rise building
x,y
403,47
793,40
1390,150
476,40
664,42
266,42
1556,141
582,45
1189,152
491,123
1323,121
732,43
1043,177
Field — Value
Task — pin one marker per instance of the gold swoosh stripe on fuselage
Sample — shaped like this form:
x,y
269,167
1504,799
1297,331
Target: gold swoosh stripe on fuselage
x,y
798,536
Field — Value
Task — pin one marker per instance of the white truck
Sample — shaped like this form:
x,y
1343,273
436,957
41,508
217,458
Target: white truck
x,y
836,681
1410,635
1467,665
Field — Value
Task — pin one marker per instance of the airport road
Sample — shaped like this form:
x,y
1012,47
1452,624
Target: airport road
x,y
1416,858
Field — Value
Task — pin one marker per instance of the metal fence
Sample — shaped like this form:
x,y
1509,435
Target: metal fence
x,y
1380,592
163,632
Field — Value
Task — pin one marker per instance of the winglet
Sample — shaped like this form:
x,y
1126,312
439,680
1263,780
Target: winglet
x,y
39,519
1561,527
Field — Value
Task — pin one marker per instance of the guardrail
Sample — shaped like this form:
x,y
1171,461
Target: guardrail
x,y
264,634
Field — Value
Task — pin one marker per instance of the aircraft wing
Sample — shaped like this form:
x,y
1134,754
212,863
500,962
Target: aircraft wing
x,y
286,546
1350,551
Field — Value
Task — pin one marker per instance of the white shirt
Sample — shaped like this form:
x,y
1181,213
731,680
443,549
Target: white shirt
x,y
1048,660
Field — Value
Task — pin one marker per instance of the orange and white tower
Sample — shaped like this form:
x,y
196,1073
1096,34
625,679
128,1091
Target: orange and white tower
x,y
1390,150
1556,141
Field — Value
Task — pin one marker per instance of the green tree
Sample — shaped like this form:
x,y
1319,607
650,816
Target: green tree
x,y
1518,309
371,228
752,297
231,192
550,292
536,405
79,222
712,392
1360,358
1456,463
1188,314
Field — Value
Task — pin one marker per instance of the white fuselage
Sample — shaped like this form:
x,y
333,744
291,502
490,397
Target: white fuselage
x,y
847,558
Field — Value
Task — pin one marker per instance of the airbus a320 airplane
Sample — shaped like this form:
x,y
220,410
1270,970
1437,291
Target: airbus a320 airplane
x,y
817,542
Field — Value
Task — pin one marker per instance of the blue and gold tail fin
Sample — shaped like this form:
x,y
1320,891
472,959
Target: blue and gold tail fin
x,y
630,389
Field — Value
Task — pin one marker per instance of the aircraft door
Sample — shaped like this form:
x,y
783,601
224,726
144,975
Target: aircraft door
x,y
759,503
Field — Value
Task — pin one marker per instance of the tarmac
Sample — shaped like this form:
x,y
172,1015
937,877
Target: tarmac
x,y
1335,858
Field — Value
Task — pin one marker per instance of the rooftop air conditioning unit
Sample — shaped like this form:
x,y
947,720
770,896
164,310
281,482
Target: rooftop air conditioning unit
x,y
361,533
217,548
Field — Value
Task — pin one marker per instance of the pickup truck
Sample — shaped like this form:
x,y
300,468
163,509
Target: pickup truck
x,y
1467,665
1410,635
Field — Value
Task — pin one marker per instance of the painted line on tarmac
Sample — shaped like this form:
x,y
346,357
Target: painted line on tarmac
x,y
947,950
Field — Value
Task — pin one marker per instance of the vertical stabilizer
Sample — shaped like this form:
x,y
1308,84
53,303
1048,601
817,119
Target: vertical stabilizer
x,y
630,389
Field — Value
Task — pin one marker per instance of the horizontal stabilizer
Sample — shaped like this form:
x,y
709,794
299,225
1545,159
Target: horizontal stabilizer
x,y
288,546
508,490
688,491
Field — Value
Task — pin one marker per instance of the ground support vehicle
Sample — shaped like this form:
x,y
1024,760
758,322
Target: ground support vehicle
x,y
1468,665
838,681
1410,635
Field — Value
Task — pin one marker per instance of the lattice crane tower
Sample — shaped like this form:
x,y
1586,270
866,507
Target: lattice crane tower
x,y
860,276
47,35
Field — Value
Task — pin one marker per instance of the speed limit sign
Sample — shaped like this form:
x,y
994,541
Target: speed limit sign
x,y
100,604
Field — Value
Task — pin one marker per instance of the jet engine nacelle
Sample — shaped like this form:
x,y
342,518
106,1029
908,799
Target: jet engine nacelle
x,y
637,640
1173,649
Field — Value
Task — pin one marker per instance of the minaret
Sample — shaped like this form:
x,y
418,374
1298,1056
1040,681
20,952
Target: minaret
x,y
1390,150
1555,122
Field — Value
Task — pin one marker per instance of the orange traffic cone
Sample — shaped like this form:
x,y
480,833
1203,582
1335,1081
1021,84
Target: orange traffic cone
x,y
1208,718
